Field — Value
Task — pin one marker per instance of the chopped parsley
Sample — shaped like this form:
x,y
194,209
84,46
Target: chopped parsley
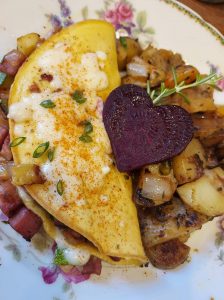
x,y
47,104
79,97
17,141
59,257
40,150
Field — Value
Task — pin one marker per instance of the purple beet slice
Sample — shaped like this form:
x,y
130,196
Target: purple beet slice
x,y
141,134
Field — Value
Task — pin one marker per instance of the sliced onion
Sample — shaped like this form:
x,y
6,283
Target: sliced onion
x,y
6,170
156,188
138,67
134,69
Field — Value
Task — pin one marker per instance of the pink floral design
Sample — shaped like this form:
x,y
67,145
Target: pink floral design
x,y
221,84
72,274
49,274
120,15
124,12
111,16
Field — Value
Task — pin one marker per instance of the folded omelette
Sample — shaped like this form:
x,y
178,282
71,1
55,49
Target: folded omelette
x,y
56,102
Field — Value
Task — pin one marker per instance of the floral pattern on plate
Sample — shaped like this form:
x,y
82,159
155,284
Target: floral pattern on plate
x,y
127,20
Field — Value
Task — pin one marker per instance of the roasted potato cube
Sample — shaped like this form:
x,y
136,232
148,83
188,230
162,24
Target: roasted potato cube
x,y
190,164
26,174
126,50
161,58
137,80
205,195
156,185
168,255
171,220
185,73
200,99
27,43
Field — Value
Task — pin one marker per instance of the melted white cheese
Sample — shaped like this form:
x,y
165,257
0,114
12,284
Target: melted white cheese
x,y
53,57
74,256
89,73
106,170
21,111
82,172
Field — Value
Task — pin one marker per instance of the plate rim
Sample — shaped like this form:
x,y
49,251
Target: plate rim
x,y
186,10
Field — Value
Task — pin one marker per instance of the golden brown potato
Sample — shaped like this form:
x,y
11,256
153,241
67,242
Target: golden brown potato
x,y
137,80
200,99
126,51
162,59
185,73
156,185
207,124
168,255
26,174
190,164
169,221
206,194
27,43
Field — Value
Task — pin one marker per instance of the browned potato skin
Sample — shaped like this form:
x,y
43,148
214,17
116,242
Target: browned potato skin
x,y
168,255
206,194
26,44
185,73
125,54
137,80
161,58
200,99
26,174
189,165
169,221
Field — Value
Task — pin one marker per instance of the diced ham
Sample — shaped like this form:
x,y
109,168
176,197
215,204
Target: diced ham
x,y
74,234
3,118
93,266
3,134
26,223
11,62
4,94
6,151
9,198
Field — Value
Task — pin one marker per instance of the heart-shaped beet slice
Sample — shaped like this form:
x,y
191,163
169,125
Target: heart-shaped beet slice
x,y
141,134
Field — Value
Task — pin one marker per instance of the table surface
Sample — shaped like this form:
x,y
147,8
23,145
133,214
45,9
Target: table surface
x,y
212,13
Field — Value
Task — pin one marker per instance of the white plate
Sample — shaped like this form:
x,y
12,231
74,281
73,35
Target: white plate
x,y
167,24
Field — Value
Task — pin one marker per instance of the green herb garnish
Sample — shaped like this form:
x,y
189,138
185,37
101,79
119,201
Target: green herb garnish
x,y
59,258
47,104
79,97
88,127
17,141
50,154
2,77
60,187
163,92
85,138
123,41
40,150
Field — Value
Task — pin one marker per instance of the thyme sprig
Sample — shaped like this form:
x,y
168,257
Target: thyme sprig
x,y
158,94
